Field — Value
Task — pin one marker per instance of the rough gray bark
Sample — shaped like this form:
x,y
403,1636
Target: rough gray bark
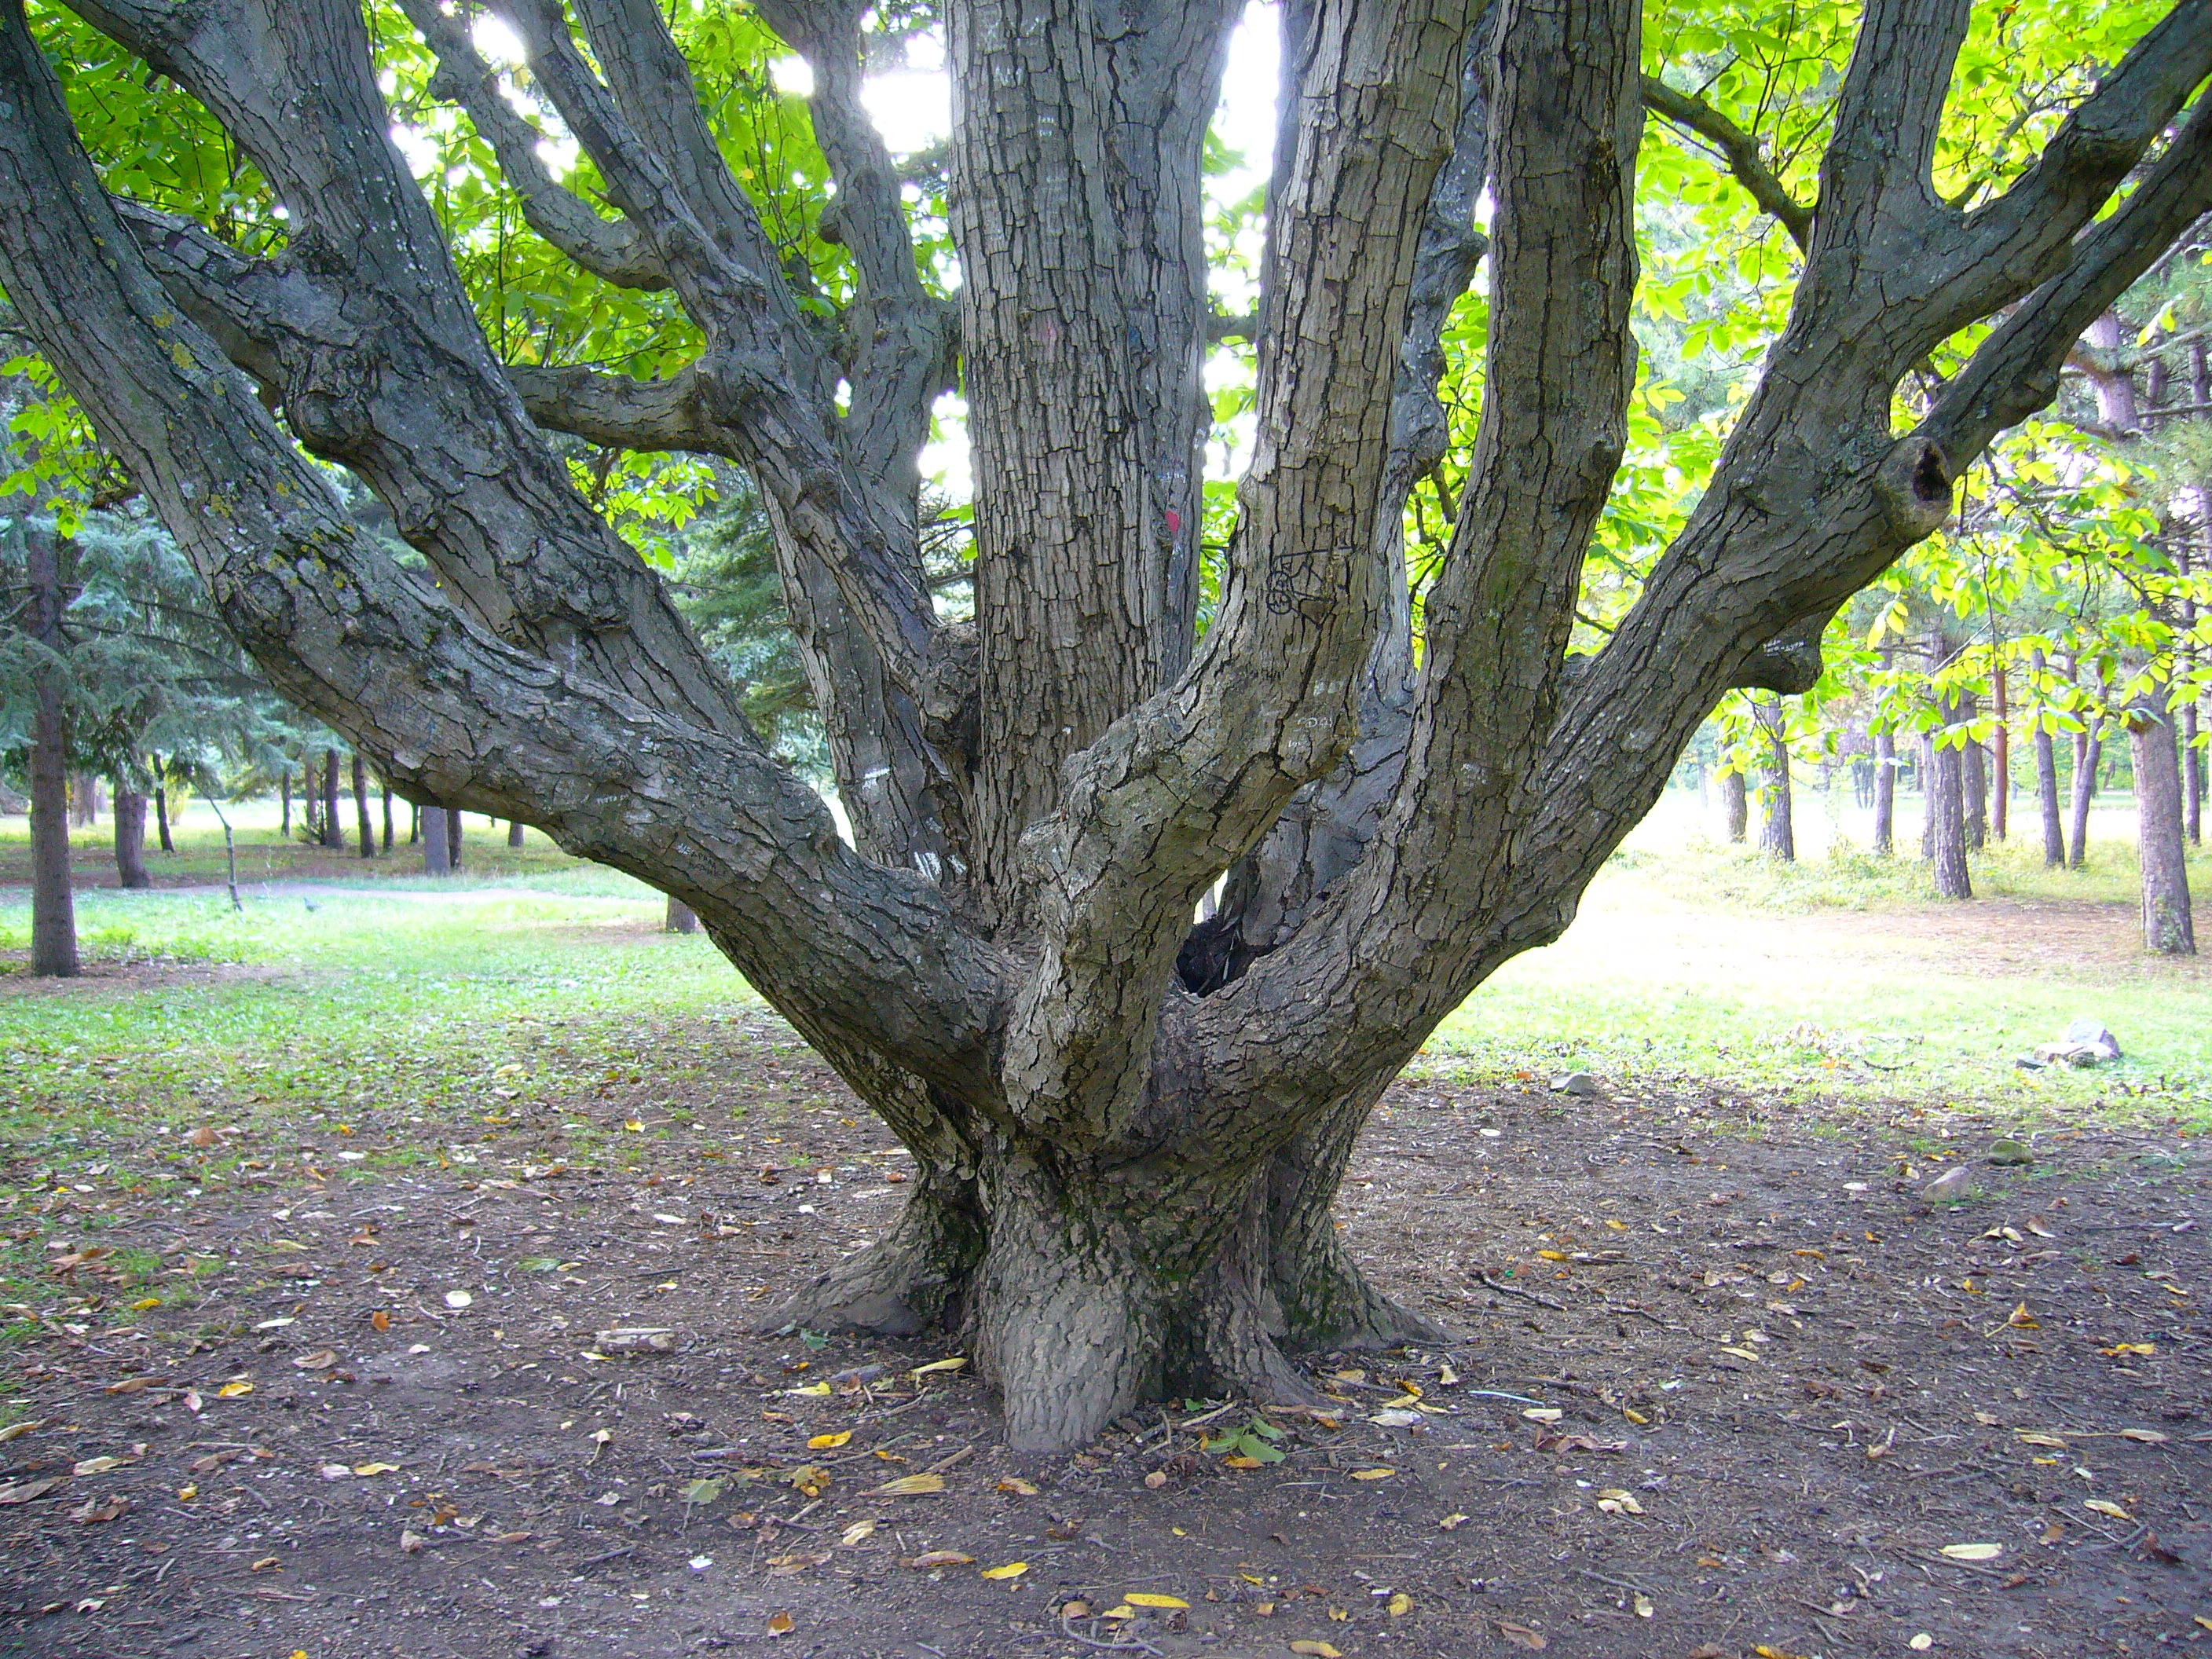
x,y
1944,840
1127,1166
162,805
1736,806
679,917
53,899
367,829
2169,928
453,830
333,830
130,814
1885,776
2046,787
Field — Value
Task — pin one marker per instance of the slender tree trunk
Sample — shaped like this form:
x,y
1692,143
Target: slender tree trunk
x,y
333,832
162,805
454,836
414,823
2088,754
130,814
1974,776
360,807
678,918
1946,790
1777,836
437,855
1885,792
2046,780
514,832
2168,927
285,803
387,820
1735,805
311,802
53,904
2192,777
2001,759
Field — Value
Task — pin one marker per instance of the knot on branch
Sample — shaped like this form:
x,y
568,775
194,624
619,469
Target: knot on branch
x,y
1914,483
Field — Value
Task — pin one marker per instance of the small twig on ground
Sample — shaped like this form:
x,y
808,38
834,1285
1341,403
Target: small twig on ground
x,y
1531,1295
1123,1642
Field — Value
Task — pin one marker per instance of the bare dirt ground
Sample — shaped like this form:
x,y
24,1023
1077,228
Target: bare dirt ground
x,y
1726,1387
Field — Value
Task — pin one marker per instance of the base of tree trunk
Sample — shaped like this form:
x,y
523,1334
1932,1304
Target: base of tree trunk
x,y
1073,1331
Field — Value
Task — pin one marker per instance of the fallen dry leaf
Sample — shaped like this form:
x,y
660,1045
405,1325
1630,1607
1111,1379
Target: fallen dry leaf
x,y
89,1511
1400,1605
2102,1506
22,1492
1012,1569
938,1558
410,1543
17,1430
1153,1599
233,1390
2023,1320
829,1442
366,1469
1454,1522
907,1485
380,1321
96,1466
853,1534
1316,1649
321,1360
1973,1551
1521,1636
955,1363
1018,1486
779,1624
1378,1472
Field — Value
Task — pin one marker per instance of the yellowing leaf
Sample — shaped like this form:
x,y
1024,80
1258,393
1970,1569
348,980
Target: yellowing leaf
x,y
829,1442
1543,1414
2023,1320
909,1485
941,1558
1744,1353
853,1534
321,1360
1973,1551
2148,1437
1316,1649
375,1468
1240,1461
2120,1350
380,1321
2103,1507
2051,1440
1455,1521
779,1624
638,1128
1019,1487
1618,1500
957,1363
96,1466
1012,1569
1400,1605
1553,1256
1376,1474
149,1301
817,1389
1644,1608
232,1391
1152,1598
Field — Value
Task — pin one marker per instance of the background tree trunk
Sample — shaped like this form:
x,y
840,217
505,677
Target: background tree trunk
x,y
130,814
53,901
2169,928
1974,778
514,832
333,831
1735,805
1885,792
1778,833
387,820
84,800
454,837
2088,754
437,857
1944,791
2001,758
678,918
161,804
360,807
284,802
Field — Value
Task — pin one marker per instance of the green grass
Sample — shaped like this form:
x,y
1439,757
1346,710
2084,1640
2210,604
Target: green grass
x,y
1845,976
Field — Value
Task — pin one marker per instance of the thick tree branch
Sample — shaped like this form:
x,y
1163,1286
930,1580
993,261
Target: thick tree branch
x,y
1741,150
362,328
2016,371
2024,237
618,412
613,249
899,340
452,713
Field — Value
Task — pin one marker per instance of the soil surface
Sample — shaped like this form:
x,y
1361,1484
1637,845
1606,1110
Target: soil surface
x,y
1726,1386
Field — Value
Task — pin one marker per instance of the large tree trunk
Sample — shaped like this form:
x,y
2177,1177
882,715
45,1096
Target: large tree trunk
x,y
1128,1133
514,832
53,899
1778,833
2169,928
454,837
130,814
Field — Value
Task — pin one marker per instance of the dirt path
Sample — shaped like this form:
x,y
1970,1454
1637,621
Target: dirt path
x,y
1782,1386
